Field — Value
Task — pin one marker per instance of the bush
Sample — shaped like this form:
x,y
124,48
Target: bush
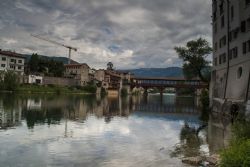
x,y
241,130
237,155
10,81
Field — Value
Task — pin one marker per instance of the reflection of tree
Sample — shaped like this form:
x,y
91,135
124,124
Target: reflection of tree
x,y
190,141
52,116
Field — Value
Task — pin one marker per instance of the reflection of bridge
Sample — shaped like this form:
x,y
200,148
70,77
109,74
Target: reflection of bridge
x,y
166,108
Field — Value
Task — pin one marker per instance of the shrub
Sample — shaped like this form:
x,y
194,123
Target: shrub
x,y
10,81
237,155
241,130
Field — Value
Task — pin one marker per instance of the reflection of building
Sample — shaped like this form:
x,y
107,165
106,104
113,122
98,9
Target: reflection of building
x,y
34,104
231,53
11,61
219,133
78,71
35,79
9,117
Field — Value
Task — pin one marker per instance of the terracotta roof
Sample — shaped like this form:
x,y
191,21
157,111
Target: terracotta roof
x,y
11,54
75,65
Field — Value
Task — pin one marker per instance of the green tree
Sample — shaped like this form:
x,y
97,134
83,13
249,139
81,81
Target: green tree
x,y
194,56
10,81
34,63
110,66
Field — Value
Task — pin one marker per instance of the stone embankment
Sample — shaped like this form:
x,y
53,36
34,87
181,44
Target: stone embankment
x,y
208,161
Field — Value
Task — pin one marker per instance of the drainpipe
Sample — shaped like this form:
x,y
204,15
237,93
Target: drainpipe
x,y
228,49
248,85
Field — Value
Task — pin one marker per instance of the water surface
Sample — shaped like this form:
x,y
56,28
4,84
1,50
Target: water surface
x,y
107,132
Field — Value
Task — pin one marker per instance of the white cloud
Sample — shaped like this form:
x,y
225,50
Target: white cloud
x,y
9,41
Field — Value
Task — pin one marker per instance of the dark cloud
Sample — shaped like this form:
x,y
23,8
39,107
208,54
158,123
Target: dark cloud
x,y
130,33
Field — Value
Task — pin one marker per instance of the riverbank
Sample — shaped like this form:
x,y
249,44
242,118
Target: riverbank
x,y
53,89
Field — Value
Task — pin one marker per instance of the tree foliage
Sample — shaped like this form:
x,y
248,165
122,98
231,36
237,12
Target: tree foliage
x,y
47,66
10,81
194,56
110,66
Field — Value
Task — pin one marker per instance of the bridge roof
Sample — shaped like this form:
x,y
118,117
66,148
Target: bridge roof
x,y
167,78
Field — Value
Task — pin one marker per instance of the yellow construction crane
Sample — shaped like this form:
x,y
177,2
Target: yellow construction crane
x,y
57,43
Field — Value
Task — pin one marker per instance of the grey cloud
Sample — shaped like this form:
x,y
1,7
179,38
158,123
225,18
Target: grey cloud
x,y
142,32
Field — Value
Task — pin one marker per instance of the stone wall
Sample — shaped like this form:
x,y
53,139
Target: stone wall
x,y
60,81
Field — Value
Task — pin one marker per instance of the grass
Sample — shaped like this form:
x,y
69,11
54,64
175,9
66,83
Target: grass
x,y
238,153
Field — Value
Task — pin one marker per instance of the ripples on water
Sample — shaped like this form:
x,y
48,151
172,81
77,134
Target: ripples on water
x,y
89,131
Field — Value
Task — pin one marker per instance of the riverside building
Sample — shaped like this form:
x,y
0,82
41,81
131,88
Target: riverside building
x,y
231,53
11,61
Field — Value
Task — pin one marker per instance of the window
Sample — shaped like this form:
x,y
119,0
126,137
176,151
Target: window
x,y
214,16
223,41
232,13
222,21
3,58
215,61
239,72
248,24
12,60
19,67
244,48
235,33
214,5
215,46
233,53
247,2
11,66
20,61
2,65
248,43
230,55
221,8
243,26
215,28
224,58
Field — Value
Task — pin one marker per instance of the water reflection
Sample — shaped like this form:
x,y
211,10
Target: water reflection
x,y
94,131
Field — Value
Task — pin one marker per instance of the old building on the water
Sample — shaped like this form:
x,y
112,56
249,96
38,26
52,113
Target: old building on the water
x,y
231,53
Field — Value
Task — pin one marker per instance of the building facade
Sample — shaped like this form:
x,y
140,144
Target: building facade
x,y
231,53
11,61
79,72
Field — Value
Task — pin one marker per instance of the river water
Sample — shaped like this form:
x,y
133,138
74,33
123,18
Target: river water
x,y
90,131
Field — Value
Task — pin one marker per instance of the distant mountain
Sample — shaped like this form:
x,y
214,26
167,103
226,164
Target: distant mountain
x,y
157,72
64,60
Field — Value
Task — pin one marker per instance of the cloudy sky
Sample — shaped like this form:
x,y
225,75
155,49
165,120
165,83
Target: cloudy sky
x,y
130,33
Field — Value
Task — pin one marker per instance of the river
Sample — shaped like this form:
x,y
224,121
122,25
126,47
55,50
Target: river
x,y
89,131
